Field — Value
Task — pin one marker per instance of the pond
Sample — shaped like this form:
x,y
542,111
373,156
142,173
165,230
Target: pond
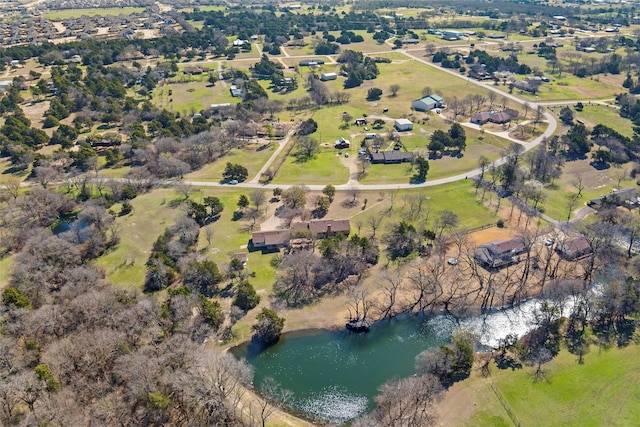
x,y
335,375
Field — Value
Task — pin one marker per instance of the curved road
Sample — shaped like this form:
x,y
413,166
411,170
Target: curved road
x,y
254,182
551,128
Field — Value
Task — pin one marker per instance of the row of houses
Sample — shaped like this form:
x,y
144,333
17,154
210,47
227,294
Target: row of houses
x,y
319,228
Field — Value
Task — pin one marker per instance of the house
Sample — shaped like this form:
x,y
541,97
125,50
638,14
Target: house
x,y
402,125
573,248
410,41
498,117
391,157
626,197
311,62
328,76
589,49
481,118
500,253
272,239
360,122
342,143
193,70
322,228
451,35
236,92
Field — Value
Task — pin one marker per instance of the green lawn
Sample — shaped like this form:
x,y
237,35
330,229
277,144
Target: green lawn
x,y
457,197
592,115
596,182
188,95
125,265
252,159
152,213
324,168
605,390
60,15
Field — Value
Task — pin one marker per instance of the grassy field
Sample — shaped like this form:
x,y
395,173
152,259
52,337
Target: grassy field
x,y
591,115
457,197
597,183
125,266
324,168
190,96
605,390
60,15
252,158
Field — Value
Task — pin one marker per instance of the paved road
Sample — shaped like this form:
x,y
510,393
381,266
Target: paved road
x,y
551,128
253,183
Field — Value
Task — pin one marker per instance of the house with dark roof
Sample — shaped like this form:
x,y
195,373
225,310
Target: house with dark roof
x,y
272,239
391,157
322,228
500,253
626,197
573,248
498,117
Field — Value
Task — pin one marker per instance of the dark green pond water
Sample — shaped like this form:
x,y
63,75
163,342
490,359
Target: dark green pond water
x,y
335,375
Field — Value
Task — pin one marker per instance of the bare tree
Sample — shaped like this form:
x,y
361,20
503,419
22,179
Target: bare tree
x,y
257,197
374,222
491,97
274,398
184,189
12,186
394,88
526,107
354,193
405,402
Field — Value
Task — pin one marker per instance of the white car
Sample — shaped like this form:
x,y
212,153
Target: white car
x,y
233,182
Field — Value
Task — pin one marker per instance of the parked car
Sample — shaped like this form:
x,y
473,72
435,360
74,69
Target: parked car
x,y
233,182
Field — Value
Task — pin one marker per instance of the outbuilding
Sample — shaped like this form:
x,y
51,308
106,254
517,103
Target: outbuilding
x,y
403,125
328,76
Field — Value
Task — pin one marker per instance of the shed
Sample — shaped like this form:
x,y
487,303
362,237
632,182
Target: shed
x,y
402,125
328,76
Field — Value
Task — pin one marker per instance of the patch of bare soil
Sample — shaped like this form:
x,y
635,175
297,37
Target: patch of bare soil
x,y
490,234
35,112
